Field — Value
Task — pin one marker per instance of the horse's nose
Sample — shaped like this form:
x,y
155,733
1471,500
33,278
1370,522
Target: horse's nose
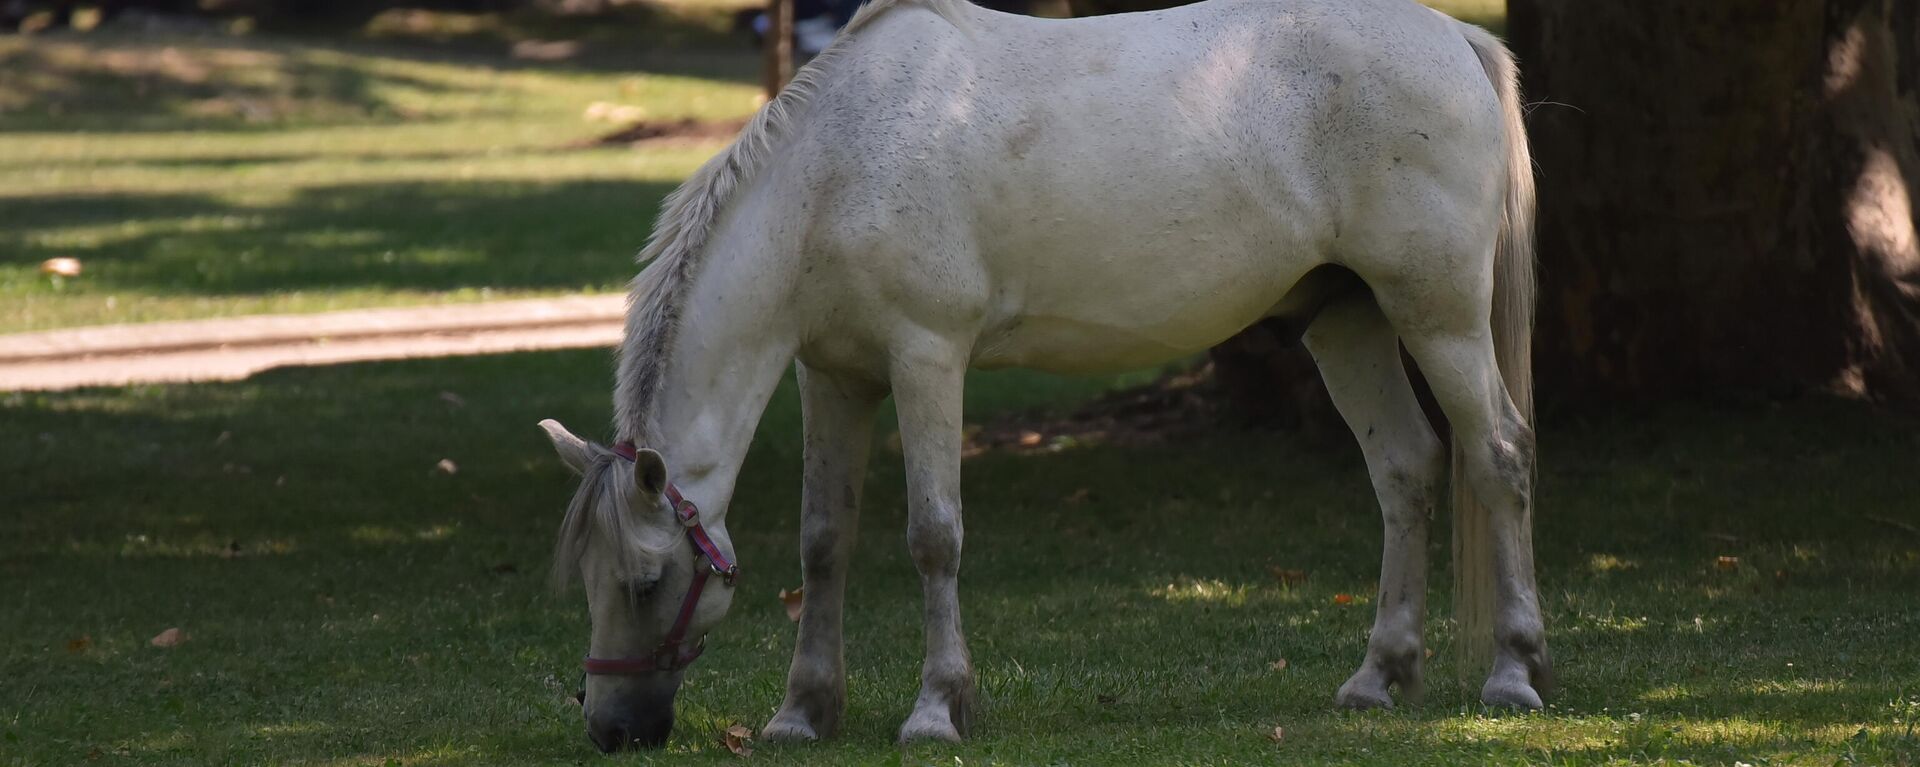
x,y
616,733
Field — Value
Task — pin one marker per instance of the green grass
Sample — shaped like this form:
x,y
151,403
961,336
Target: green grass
x,y
207,176
368,619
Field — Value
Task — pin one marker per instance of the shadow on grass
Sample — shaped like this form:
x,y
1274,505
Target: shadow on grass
x,y
117,82
414,236
346,600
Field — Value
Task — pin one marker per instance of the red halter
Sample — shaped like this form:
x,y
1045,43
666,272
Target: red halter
x,y
670,656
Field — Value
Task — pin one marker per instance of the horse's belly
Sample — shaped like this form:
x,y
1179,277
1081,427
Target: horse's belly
x,y
1095,318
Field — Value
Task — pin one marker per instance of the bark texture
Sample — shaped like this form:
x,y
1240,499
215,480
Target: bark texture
x,y
1727,196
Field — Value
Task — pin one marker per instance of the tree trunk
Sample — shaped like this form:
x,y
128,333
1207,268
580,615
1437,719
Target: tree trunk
x,y
1727,196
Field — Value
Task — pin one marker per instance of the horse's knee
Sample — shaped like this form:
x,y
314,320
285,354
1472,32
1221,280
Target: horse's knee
x,y
933,537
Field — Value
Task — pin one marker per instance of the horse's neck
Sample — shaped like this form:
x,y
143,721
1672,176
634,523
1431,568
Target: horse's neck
x,y
734,343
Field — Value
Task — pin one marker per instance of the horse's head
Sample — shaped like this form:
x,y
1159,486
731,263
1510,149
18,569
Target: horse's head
x,y
655,585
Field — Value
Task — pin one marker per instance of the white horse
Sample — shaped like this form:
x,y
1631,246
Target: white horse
x,y
949,187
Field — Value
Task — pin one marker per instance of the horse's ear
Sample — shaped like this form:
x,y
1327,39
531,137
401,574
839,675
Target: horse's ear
x,y
573,450
650,471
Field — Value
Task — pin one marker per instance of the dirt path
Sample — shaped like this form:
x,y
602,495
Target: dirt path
x,y
229,349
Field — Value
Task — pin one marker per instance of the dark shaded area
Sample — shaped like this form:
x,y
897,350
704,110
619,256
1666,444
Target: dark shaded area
x,y
417,236
650,131
1726,197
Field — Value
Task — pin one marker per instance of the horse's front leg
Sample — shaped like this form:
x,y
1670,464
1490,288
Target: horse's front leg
x,y
927,385
838,418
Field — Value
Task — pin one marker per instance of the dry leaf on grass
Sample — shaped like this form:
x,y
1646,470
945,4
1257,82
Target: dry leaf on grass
x,y
1727,563
1343,599
80,645
170,638
447,466
1030,438
1279,734
793,601
1279,665
735,738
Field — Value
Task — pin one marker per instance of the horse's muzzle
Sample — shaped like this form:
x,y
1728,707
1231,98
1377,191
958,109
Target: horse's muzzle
x,y
628,730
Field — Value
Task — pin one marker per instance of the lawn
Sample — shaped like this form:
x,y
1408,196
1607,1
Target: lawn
x,y
1723,586
208,174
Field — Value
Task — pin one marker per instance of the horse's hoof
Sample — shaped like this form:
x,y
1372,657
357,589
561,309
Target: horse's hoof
x,y
789,728
933,723
1510,693
1360,695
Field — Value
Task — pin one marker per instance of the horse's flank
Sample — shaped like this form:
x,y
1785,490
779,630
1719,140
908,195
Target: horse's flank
x,y
687,217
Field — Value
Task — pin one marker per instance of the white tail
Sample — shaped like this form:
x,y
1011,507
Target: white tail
x,y
1513,297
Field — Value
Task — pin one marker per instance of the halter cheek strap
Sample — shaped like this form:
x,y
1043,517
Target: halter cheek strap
x,y
672,654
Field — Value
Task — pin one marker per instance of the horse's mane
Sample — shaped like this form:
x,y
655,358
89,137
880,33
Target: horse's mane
x,y
600,511
687,217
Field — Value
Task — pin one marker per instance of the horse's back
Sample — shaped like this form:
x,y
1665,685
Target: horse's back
x,y
1191,163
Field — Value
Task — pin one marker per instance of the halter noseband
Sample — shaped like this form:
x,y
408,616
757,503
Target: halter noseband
x,y
670,656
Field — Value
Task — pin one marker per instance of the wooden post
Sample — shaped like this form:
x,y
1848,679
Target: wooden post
x,y
779,66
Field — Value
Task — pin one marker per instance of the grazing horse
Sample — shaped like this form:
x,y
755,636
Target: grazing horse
x,y
948,187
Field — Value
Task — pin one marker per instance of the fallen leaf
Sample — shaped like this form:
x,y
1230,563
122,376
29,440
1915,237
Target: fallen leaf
x,y
1343,599
447,466
1030,438
1079,497
61,267
1727,563
1288,576
1279,734
1429,652
793,600
453,399
1279,665
80,645
170,638
735,738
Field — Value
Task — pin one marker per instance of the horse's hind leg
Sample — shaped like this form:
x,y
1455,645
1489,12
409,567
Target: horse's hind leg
x,y
1359,358
1496,445
838,417
928,378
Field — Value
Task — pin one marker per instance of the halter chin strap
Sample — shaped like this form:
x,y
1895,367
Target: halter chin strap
x,y
671,655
